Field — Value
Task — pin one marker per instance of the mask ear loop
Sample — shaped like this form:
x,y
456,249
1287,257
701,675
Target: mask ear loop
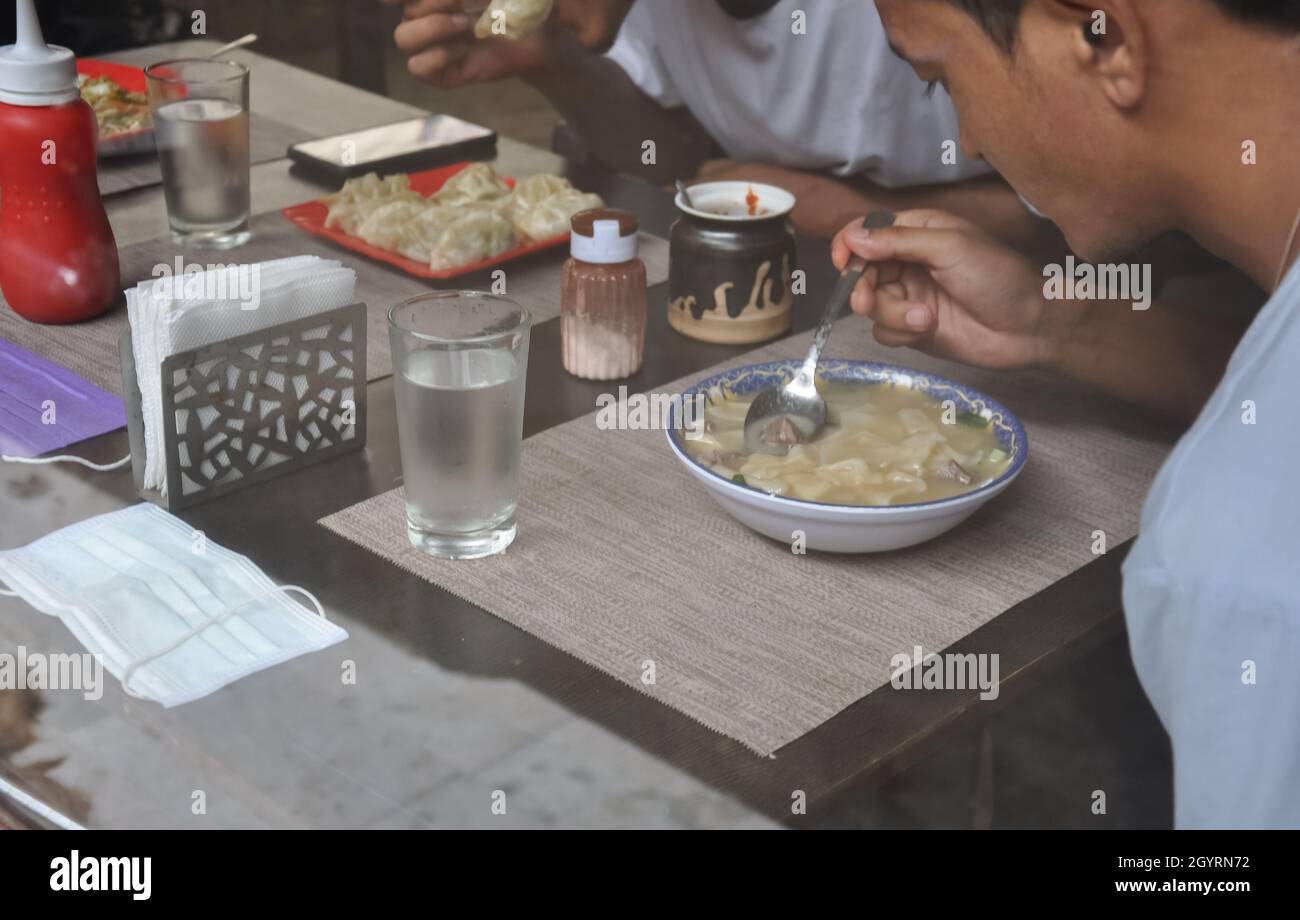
x,y
212,621
68,458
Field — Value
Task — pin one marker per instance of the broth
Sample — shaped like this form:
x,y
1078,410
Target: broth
x,y
748,208
882,445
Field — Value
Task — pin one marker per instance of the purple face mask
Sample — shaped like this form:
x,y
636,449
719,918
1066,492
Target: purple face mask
x,y
44,407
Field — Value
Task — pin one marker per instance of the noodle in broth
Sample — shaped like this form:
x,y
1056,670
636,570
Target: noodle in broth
x,y
882,445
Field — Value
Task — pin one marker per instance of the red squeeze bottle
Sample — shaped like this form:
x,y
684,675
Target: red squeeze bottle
x,y
58,258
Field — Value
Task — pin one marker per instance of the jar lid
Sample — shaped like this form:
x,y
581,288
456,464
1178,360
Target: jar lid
x,y
604,236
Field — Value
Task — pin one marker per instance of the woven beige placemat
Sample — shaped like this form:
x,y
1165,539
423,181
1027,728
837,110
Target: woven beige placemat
x,y
268,140
90,349
623,559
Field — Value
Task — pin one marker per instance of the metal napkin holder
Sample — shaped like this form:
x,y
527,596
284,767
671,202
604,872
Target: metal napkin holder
x,y
253,407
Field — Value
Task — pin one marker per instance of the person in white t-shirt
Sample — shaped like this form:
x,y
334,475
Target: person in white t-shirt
x,y
804,94
1121,120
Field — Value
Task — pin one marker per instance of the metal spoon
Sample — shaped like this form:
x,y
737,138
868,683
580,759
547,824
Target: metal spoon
x,y
686,196
792,414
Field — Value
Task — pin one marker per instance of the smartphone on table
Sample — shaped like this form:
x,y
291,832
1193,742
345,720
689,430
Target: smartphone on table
x,y
406,146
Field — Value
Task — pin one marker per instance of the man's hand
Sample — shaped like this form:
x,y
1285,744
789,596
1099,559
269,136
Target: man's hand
x,y
940,284
438,37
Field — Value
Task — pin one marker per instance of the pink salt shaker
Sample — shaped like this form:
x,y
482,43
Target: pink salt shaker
x,y
602,297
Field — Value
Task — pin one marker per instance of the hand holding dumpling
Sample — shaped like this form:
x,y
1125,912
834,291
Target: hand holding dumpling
x,y
513,18
444,49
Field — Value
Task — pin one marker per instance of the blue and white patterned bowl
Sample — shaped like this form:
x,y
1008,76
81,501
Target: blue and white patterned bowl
x,y
845,528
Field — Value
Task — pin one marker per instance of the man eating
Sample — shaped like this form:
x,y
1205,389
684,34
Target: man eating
x,y
1122,120
736,89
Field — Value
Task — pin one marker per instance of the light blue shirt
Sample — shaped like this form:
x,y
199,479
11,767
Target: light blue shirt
x,y
1212,588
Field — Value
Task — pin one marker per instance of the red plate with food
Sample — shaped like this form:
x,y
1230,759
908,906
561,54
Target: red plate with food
x,y
447,222
117,94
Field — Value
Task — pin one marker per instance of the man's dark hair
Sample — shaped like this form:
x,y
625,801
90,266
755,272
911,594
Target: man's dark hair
x,y
1001,18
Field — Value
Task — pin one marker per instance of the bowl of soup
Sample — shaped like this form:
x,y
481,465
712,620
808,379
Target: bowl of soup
x,y
904,456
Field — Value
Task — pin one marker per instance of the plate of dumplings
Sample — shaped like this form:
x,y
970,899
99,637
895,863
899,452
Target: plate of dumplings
x,y
446,222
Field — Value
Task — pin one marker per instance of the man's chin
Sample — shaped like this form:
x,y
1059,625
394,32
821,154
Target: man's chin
x,y
1088,247
1089,240
1083,241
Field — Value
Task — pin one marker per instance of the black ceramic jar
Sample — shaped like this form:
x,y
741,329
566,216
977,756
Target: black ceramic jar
x,y
732,263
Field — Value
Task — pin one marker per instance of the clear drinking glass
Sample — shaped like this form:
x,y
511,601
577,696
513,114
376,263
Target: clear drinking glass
x,y
200,117
460,359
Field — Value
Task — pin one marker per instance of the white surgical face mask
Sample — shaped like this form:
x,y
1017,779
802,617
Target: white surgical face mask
x,y
171,614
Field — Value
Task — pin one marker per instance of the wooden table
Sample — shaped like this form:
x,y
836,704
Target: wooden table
x,y
451,702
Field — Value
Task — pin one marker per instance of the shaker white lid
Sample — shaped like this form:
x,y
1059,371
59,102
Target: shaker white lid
x,y
613,237
32,72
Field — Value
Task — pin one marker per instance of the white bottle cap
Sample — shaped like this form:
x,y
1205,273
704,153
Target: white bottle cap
x,y
32,72
603,237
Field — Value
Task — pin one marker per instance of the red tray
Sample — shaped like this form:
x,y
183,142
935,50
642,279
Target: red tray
x,y
310,216
129,78
132,80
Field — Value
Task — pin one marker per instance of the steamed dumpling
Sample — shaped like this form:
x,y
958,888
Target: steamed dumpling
x,y
550,218
350,205
476,182
476,215
518,18
372,188
383,226
421,233
474,235
534,190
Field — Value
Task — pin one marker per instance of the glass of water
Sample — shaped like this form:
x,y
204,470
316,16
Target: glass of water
x,y
460,359
200,117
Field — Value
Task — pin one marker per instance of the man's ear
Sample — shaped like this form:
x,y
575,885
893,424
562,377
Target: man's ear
x,y
1109,43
